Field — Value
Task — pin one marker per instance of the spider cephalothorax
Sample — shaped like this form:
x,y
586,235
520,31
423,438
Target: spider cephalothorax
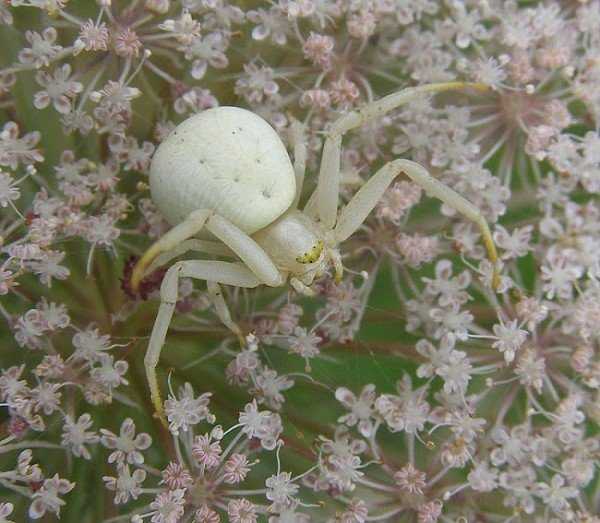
x,y
226,172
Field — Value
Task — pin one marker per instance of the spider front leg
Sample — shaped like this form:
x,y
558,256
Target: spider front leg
x,y
300,153
365,200
327,191
214,272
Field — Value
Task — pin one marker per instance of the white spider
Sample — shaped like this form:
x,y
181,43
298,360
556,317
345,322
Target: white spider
x,y
226,170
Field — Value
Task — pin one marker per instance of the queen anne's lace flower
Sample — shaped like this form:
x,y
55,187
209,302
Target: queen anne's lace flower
x,y
127,445
496,361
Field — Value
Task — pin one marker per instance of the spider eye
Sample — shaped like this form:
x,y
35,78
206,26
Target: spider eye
x,y
313,255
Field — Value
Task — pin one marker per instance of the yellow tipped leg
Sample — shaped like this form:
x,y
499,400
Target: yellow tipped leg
x,y
181,232
490,247
168,296
156,398
143,263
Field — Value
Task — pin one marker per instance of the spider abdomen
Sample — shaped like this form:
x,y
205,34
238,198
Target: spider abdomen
x,y
226,159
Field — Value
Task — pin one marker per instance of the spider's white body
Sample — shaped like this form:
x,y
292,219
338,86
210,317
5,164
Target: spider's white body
x,y
226,159
230,161
227,172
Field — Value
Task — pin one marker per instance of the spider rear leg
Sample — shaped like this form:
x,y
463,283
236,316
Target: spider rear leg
x,y
222,310
212,271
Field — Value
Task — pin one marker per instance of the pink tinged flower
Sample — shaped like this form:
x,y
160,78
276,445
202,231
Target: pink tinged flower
x,y
77,120
110,373
184,29
205,51
242,511
236,469
176,476
101,230
356,512
531,370
115,96
397,200
127,445
206,514
42,50
126,43
429,512
92,37
340,461
509,338
556,494
560,274
59,89
456,372
407,411
531,311
76,436
264,425
7,81
11,383
490,71
513,447
304,343
186,411
344,93
288,318
416,249
245,365
9,192
168,506
29,329
90,344
467,26
137,157
15,150
206,452
281,491
410,479
126,485
30,472
539,138
516,244
6,510
46,397
316,98
195,100
452,322
449,289
268,388
269,23
318,49
48,267
483,478
362,25
361,408
47,499
257,83
52,366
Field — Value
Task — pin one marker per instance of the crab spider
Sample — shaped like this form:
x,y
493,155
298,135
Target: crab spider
x,y
227,172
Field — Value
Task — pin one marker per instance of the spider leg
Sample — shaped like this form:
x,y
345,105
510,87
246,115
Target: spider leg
x,y
246,248
299,141
365,200
181,232
214,272
205,246
216,297
327,191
